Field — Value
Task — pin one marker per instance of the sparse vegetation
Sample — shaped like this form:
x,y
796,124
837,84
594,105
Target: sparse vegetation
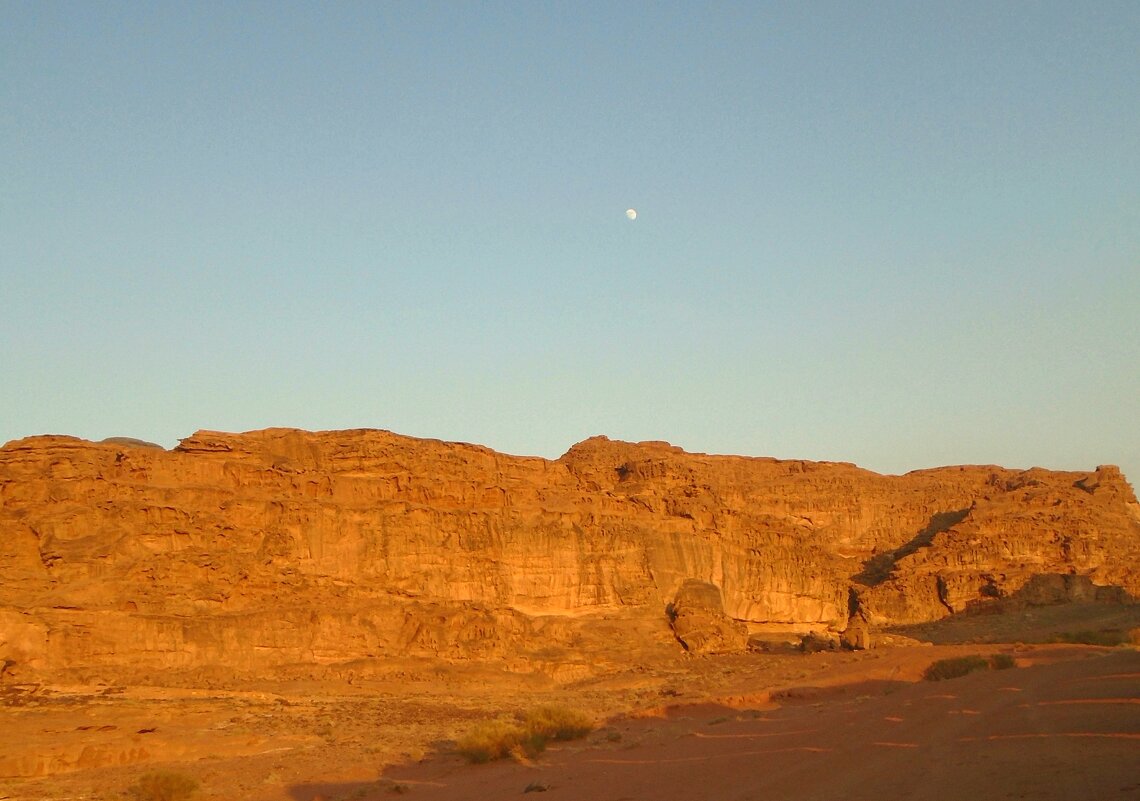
x,y
558,723
496,739
1002,662
963,665
1106,637
955,667
163,786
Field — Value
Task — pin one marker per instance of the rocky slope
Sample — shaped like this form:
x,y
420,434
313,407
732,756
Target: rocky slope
x,y
346,552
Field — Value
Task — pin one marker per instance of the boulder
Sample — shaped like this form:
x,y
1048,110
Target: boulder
x,y
699,622
857,635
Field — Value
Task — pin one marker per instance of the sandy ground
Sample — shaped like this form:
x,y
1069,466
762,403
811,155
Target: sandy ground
x,y
1068,730
1064,724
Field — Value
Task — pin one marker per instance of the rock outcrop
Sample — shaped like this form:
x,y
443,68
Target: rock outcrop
x,y
699,621
289,551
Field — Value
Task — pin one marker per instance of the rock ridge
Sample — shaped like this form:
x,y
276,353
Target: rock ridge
x,y
285,550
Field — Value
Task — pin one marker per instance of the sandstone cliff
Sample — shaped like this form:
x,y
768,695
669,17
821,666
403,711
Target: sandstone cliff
x,y
292,551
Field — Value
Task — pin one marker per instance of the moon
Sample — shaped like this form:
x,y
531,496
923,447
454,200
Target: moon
x,y
631,213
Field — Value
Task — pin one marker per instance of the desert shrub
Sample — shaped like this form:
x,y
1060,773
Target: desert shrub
x,y
1106,637
955,667
558,723
495,739
162,786
1002,662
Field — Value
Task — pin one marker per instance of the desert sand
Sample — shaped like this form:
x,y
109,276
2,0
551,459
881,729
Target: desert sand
x,y
1064,723
1062,730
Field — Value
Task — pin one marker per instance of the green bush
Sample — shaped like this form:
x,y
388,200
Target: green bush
x,y
162,786
496,739
955,667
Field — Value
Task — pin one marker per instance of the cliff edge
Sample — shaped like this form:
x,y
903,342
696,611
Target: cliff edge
x,y
302,553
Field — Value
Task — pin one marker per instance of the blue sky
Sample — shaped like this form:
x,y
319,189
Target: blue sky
x,y
902,235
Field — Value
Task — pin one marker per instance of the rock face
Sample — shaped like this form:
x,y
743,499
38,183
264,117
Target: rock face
x,y
297,552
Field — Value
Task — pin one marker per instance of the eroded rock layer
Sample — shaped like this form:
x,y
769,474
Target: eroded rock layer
x,y
294,551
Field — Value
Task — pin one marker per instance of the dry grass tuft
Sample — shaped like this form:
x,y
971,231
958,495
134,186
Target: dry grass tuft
x,y
955,667
162,786
496,739
1002,662
1107,637
558,723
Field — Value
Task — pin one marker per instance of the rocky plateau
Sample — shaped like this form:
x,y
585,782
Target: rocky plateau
x,y
347,554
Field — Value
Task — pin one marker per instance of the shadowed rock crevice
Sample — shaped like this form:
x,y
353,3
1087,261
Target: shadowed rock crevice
x,y
879,567
1050,607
